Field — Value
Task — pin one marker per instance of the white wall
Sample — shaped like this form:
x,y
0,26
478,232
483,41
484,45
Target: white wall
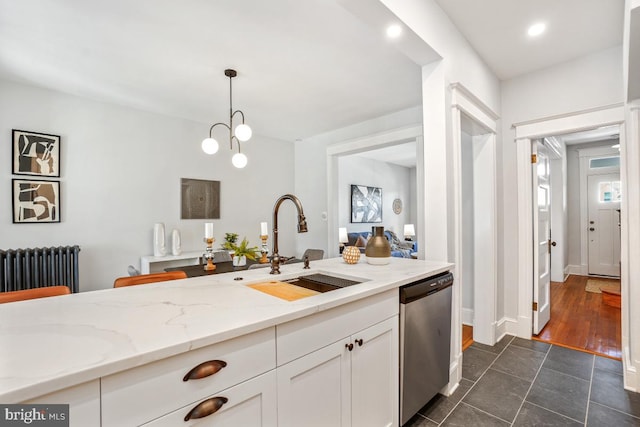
x,y
588,82
121,171
311,169
395,182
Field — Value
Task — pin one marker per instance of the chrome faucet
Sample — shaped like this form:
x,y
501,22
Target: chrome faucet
x,y
302,228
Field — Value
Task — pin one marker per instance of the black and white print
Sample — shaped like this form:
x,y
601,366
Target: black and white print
x,y
366,204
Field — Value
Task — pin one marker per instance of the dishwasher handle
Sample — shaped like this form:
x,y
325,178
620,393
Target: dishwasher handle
x,y
422,288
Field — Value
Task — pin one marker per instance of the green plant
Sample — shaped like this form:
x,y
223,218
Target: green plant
x,y
230,240
244,250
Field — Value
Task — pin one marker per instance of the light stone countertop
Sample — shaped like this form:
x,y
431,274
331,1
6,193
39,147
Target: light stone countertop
x,y
52,343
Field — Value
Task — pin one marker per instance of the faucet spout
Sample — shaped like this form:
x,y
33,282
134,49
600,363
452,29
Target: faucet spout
x,y
302,228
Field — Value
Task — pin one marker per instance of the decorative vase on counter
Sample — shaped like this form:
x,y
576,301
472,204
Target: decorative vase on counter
x,y
351,255
378,249
159,248
176,243
239,260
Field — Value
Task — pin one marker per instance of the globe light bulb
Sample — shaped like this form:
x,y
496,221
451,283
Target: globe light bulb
x,y
210,146
243,132
239,160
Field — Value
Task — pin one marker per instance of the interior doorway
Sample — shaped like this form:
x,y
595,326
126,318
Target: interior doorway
x,y
582,211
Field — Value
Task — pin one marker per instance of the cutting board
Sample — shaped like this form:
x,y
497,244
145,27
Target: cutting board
x,y
282,290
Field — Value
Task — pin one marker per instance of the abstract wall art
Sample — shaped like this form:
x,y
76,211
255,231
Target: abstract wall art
x,y
36,154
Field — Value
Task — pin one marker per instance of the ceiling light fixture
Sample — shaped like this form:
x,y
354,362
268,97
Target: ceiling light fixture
x,y
241,133
394,31
537,29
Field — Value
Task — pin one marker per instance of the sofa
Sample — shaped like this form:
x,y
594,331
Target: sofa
x,y
399,248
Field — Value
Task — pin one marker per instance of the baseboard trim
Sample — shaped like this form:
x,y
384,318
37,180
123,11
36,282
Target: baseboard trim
x,y
631,375
455,376
580,270
506,326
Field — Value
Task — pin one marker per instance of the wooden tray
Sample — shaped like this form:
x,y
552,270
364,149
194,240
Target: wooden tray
x,y
282,290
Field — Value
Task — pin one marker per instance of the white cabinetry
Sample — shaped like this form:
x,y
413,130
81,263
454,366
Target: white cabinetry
x,y
83,401
348,381
142,394
248,404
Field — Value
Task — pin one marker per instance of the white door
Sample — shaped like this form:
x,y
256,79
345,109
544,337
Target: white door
x,y
603,199
541,237
315,390
374,374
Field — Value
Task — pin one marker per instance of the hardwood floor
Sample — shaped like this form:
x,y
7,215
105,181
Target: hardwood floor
x,y
467,336
580,320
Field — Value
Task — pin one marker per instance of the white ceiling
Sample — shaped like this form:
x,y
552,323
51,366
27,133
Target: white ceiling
x,y
497,29
304,67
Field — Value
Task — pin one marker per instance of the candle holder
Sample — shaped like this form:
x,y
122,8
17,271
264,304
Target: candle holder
x,y
264,249
208,255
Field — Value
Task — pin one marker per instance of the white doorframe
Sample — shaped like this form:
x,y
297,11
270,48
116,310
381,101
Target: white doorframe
x,y
359,145
630,172
485,290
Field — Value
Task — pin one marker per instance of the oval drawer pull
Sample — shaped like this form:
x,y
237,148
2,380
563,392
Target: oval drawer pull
x,y
206,408
205,369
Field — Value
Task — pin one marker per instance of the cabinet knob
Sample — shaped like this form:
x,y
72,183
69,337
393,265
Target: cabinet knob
x,y
360,342
349,346
205,369
206,408
591,229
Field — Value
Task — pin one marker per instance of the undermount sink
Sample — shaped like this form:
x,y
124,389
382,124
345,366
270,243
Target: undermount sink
x,y
303,286
321,282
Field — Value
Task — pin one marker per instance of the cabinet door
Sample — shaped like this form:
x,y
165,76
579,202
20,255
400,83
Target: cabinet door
x,y
252,403
83,401
374,374
315,389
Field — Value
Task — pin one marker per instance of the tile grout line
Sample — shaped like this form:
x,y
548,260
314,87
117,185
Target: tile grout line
x,y
479,378
554,412
531,385
569,375
484,412
593,368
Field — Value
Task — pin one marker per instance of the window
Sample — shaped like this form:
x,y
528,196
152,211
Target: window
x,y
609,191
604,162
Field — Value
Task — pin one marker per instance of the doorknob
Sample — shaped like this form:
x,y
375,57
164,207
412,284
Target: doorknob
x,y
592,229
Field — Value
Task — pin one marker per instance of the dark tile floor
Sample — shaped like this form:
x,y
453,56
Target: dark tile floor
x,y
519,382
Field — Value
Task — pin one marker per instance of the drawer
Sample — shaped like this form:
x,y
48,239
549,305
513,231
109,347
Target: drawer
x,y
144,393
252,403
303,336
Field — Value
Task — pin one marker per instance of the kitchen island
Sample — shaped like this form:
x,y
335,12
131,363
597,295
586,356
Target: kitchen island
x,y
105,348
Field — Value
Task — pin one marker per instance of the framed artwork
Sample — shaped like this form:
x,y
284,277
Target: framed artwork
x,y
366,204
36,154
200,199
36,201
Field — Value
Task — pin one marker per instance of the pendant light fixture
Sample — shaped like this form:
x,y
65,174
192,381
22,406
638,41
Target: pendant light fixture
x,y
241,133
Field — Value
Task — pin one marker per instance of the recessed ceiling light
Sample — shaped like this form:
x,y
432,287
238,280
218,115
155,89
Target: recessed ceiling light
x,y
537,29
394,31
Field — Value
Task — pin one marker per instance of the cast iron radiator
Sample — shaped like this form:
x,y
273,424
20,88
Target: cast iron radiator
x,y
39,267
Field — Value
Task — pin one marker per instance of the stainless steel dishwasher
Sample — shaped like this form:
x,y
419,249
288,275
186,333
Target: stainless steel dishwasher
x,y
425,341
